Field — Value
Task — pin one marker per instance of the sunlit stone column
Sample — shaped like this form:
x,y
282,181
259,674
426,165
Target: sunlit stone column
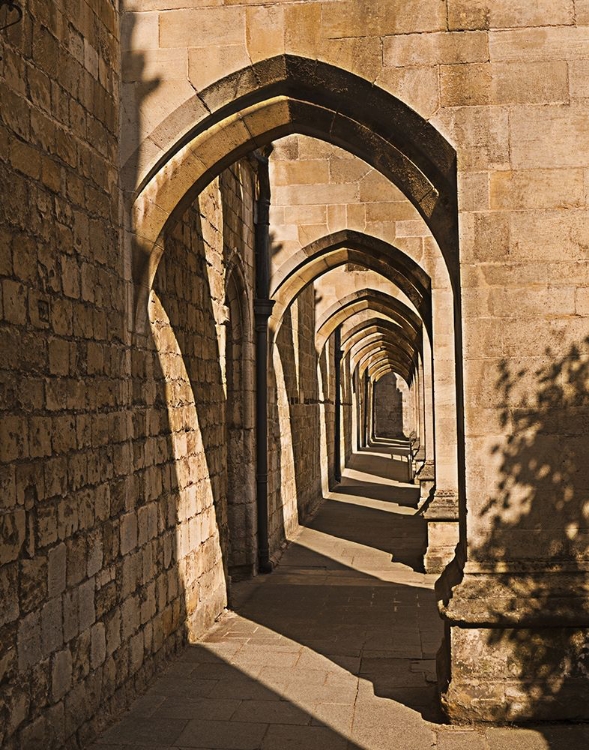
x,y
441,510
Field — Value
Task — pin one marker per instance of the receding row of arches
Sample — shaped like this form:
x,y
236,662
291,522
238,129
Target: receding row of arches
x,y
297,380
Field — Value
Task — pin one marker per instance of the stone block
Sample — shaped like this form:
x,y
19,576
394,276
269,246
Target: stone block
x,y
12,535
565,233
416,50
504,83
207,65
86,606
486,14
419,87
40,432
97,645
29,641
538,188
301,172
481,134
71,618
34,734
351,19
95,553
51,626
130,616
128,532
554,140
9,605
359,55
56,570
61,674
547,43
76,559
264,32
25,159
113,631
13,438
302,29
224,26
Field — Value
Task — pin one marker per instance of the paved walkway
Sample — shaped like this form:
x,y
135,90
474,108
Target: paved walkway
x,y
333,651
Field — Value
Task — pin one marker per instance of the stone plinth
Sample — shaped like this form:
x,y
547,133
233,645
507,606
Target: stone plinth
x,y
441,514
427,479
518,645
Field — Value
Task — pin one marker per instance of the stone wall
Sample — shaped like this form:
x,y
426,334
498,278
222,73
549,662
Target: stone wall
x,y
296,442
190,404
105,493
388,408
65,367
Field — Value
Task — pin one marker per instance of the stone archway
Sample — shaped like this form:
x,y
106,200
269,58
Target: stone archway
x,y
274,98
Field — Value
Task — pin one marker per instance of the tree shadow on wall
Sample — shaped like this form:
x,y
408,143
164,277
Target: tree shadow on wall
x,y
538,526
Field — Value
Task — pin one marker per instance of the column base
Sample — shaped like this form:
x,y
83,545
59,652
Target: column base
x,y
441,514
418,462
427,481
442,538
515,675
516,647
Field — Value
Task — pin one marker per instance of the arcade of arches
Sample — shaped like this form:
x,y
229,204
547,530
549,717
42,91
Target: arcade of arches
x,y
247,246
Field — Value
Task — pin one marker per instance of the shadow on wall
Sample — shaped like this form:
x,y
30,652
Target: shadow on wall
x,y
297,430
541,503
191,393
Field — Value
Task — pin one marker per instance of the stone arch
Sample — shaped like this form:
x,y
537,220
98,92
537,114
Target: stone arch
x,y
379,367
368,299
384,353
386,370
270,99
349,246
374,333
373,344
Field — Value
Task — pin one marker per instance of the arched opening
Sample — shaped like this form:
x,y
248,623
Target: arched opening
x,y
301,96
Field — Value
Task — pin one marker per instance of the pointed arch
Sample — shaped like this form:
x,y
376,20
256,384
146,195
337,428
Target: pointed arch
x,y
372,344
349,246
368,299
268,100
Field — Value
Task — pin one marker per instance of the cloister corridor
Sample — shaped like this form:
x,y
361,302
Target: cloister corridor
x,y
335,650
294,374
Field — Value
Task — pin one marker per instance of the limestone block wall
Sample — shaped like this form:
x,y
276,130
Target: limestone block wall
x,y
388,407
191,401
64,369
320,189
348,426
295,430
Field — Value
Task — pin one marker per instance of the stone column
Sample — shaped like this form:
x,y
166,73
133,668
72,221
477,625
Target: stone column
x,y
516,599
427,472
419,456
441,510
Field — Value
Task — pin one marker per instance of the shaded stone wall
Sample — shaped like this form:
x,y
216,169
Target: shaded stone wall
x,y
238,195
64,426
295,429
347,410
388,407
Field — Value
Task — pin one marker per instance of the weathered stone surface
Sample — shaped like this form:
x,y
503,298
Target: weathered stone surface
x,y
127,483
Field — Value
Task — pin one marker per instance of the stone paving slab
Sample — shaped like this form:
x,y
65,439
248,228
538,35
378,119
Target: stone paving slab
x,y
334,651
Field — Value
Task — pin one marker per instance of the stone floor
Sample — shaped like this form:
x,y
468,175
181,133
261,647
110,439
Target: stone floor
x,y
334,650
